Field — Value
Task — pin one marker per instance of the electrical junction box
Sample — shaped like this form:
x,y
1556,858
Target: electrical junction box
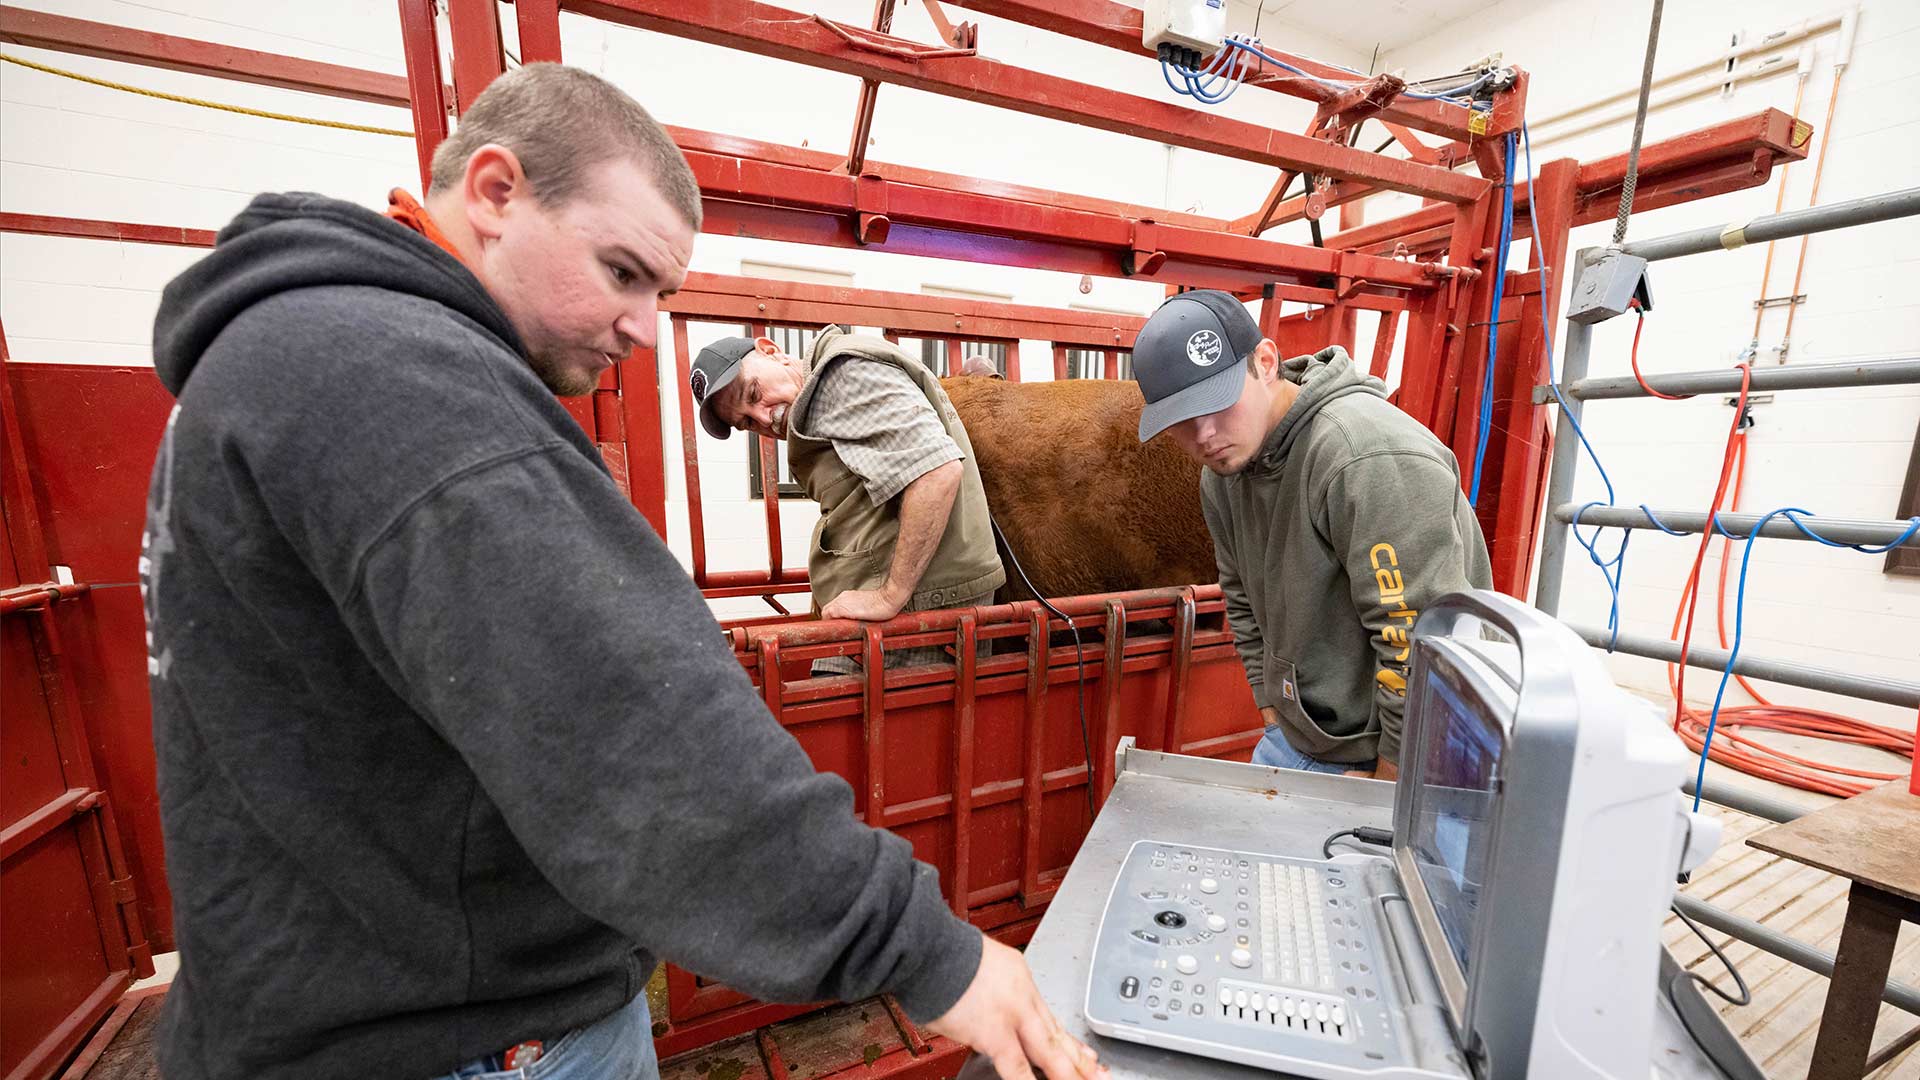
x,y
1186,24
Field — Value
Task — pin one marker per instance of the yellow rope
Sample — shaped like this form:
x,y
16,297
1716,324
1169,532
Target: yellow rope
x,y
203,103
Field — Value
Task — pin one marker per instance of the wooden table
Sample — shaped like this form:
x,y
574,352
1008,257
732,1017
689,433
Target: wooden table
x,y
1872,840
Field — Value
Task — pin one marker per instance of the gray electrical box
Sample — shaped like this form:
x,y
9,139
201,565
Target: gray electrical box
x,y
1605,283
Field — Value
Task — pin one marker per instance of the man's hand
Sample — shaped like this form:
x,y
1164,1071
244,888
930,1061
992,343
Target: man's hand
x,y
866,605
1002,1016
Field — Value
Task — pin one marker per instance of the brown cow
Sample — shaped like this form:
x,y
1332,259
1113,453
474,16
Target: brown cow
x,y
1086,506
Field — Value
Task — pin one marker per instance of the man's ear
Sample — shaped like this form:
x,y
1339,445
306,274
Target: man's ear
x,y
491,184
1266,360
765,346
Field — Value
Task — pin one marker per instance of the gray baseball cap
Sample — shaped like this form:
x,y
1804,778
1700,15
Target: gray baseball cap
x,y
717,365
1188,358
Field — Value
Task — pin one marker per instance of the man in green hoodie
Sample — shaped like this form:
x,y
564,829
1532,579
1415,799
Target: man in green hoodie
x,y
1336,520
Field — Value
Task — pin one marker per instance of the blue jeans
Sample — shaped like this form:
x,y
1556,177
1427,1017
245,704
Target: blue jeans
x,y
618,1047
1273,750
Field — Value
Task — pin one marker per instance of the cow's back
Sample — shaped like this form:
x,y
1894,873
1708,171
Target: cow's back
x,y
1086,506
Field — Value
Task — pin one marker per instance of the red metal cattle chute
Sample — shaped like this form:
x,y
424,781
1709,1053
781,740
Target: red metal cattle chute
x,y
978,764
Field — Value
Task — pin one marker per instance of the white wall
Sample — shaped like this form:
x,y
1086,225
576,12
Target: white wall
x,y
1839,453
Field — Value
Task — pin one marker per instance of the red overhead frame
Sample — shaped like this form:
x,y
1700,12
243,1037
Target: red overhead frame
x,y
755,305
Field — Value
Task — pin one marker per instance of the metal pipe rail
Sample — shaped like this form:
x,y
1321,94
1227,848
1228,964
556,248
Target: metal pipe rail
x,y
1898,692
1839,530
1747,801
1883,207
1899,372
1897,994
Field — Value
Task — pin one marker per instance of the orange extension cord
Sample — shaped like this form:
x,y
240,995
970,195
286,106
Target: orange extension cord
x,y
1731,747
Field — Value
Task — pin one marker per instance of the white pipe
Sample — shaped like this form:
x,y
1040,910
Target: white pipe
x,y
1844,19
1849,23
1704,84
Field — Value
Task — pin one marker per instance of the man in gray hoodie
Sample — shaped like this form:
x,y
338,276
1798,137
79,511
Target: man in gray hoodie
x,y
1336,520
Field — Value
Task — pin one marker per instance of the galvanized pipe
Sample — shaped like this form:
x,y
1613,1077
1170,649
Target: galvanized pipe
x,y
1839,530
1566,450
1865,687
1900,372
1812,219
1746,801
1897,994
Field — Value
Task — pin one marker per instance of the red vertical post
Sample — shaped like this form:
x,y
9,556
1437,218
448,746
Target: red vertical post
x,y
1039,669
1383,340
1109,364
689,453
420,41
1110,676
1013,361
873,718
646,451
954,359
1059,362
1179,667
1469,302
963,752
540,30
772,688
473,26
770,486
1517,454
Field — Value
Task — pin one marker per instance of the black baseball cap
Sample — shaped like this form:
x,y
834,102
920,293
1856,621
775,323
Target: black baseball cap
x,y
717,365
1188,357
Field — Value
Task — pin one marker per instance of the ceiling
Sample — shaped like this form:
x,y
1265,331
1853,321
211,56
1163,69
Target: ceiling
x,y
1362,25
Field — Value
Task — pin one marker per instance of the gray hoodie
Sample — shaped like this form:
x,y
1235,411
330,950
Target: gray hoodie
x,y
1348,522
450,749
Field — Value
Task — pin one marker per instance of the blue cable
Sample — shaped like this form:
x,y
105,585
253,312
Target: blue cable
x,y
1740,607
1618,562
1493,325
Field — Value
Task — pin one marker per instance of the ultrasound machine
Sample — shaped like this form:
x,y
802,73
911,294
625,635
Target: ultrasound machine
x,y
1512,927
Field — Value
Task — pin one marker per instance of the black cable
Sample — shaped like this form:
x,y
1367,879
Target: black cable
x,y
1365,834
1746,996
1079,661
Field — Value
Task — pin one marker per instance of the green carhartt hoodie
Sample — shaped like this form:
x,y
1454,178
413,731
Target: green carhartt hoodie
x,y
1347,523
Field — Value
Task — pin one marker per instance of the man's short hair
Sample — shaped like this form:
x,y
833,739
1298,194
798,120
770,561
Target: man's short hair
x,y
561,122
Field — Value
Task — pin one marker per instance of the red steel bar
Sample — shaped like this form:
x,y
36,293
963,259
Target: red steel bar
x,y
690,452
874,716
787,35
94,229
82,37
965,688
1059,361
420,40
1522,431
769,487
1110,679
1172,739
1039,662
646,452
869,96
1118,26
1708,161
539,22
1383,340
478,59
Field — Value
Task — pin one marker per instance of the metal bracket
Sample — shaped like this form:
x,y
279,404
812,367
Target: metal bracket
x,y
860,37
1778,301
1143,259
870,221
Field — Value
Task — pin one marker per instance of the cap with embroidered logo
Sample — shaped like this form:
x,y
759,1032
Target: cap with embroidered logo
x,y
1188,358
714,368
